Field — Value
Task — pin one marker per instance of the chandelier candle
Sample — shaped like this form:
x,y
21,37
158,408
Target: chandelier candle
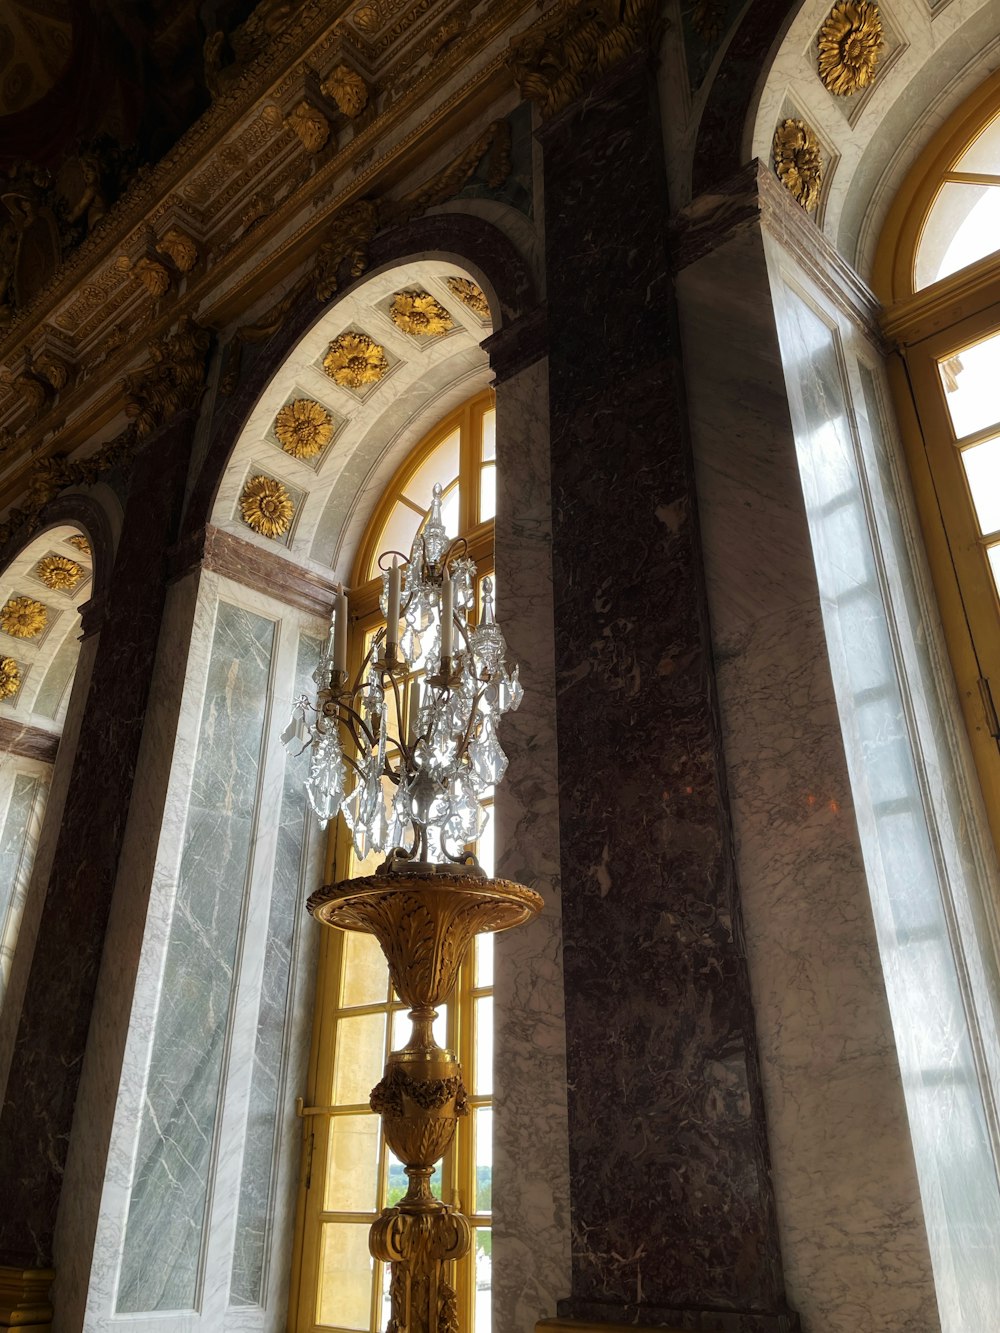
x,y
417,799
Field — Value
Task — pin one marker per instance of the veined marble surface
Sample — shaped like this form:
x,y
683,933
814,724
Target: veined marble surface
x,y
853,1240
24,786
531,1225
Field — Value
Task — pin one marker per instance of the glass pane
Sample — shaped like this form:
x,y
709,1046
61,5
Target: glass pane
x,y
484,847
962,226
484,1281
442,465
483,1081
450,511
397,1184
490,434
982,467
346,1271
970,385
352,1177
358,1064
984,153
366,974
994,554
483,1132
487,492
484,960
398,533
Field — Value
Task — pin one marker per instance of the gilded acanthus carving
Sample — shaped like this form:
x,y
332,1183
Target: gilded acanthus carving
x,y
10,677
850,44
798,162
471,295
178,246
347,88
266,507
171,380
419,313
353,360
555,61
310,126
59,572
303,427
81,543
153,274
23,618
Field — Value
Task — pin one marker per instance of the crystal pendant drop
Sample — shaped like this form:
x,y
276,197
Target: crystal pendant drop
x,y
434,536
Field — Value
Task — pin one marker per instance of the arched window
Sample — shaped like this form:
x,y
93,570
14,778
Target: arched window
x,y
40,595
351,1174
938,270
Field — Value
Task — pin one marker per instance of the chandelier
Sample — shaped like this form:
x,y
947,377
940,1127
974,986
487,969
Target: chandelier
x,y
412,791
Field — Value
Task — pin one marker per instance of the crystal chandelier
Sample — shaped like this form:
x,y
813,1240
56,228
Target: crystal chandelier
x,y
417,797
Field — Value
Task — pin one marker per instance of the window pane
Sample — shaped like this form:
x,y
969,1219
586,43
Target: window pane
x,y
358,1063
483,1080
484,1280
397,535
346,1270
484,848
970,385
442,465
487,492
484,960
352,1181
366,974
982,467
984,154
483,1133
490,434
963,225
994,554
450,511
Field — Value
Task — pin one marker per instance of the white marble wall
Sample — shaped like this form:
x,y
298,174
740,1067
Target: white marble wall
x,y
531,1223
853,1238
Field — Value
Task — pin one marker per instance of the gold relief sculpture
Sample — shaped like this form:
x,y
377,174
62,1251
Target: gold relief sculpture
x,y
419,313
23,618
310,125
54,369
179,246
303,427
347,88
850,44
353,360
172,379
470,295
59,573
798,162
266,506
81,543
10,677
154,276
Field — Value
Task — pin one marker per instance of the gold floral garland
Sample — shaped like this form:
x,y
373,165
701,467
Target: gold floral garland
x,y
23,618
353,360
470,294
850,44
419,313
798,162
10,677
303,427
266,506
59,573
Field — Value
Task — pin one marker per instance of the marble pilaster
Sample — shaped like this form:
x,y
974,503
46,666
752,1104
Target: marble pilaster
x,y
672,1210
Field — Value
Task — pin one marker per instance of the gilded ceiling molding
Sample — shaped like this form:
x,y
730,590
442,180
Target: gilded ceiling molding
x,y
10,677
353,360
347,88
310,126
266,506
419,313
81,543
850,43
798,162
471,295
179,248
555,61
303,427
23,618
59,572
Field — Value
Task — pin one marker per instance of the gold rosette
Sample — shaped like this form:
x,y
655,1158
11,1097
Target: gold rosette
x,y
59,573
23,617
798,162
418,312
354,360
10,677
850,44
303,427
266,506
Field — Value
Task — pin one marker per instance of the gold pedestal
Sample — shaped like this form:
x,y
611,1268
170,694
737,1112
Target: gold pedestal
x,y
24,1299
424,924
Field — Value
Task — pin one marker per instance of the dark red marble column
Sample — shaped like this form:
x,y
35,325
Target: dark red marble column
x,y
37,1114
672,1208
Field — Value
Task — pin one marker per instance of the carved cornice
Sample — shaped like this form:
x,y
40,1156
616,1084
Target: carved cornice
x,y
252,566
29,743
